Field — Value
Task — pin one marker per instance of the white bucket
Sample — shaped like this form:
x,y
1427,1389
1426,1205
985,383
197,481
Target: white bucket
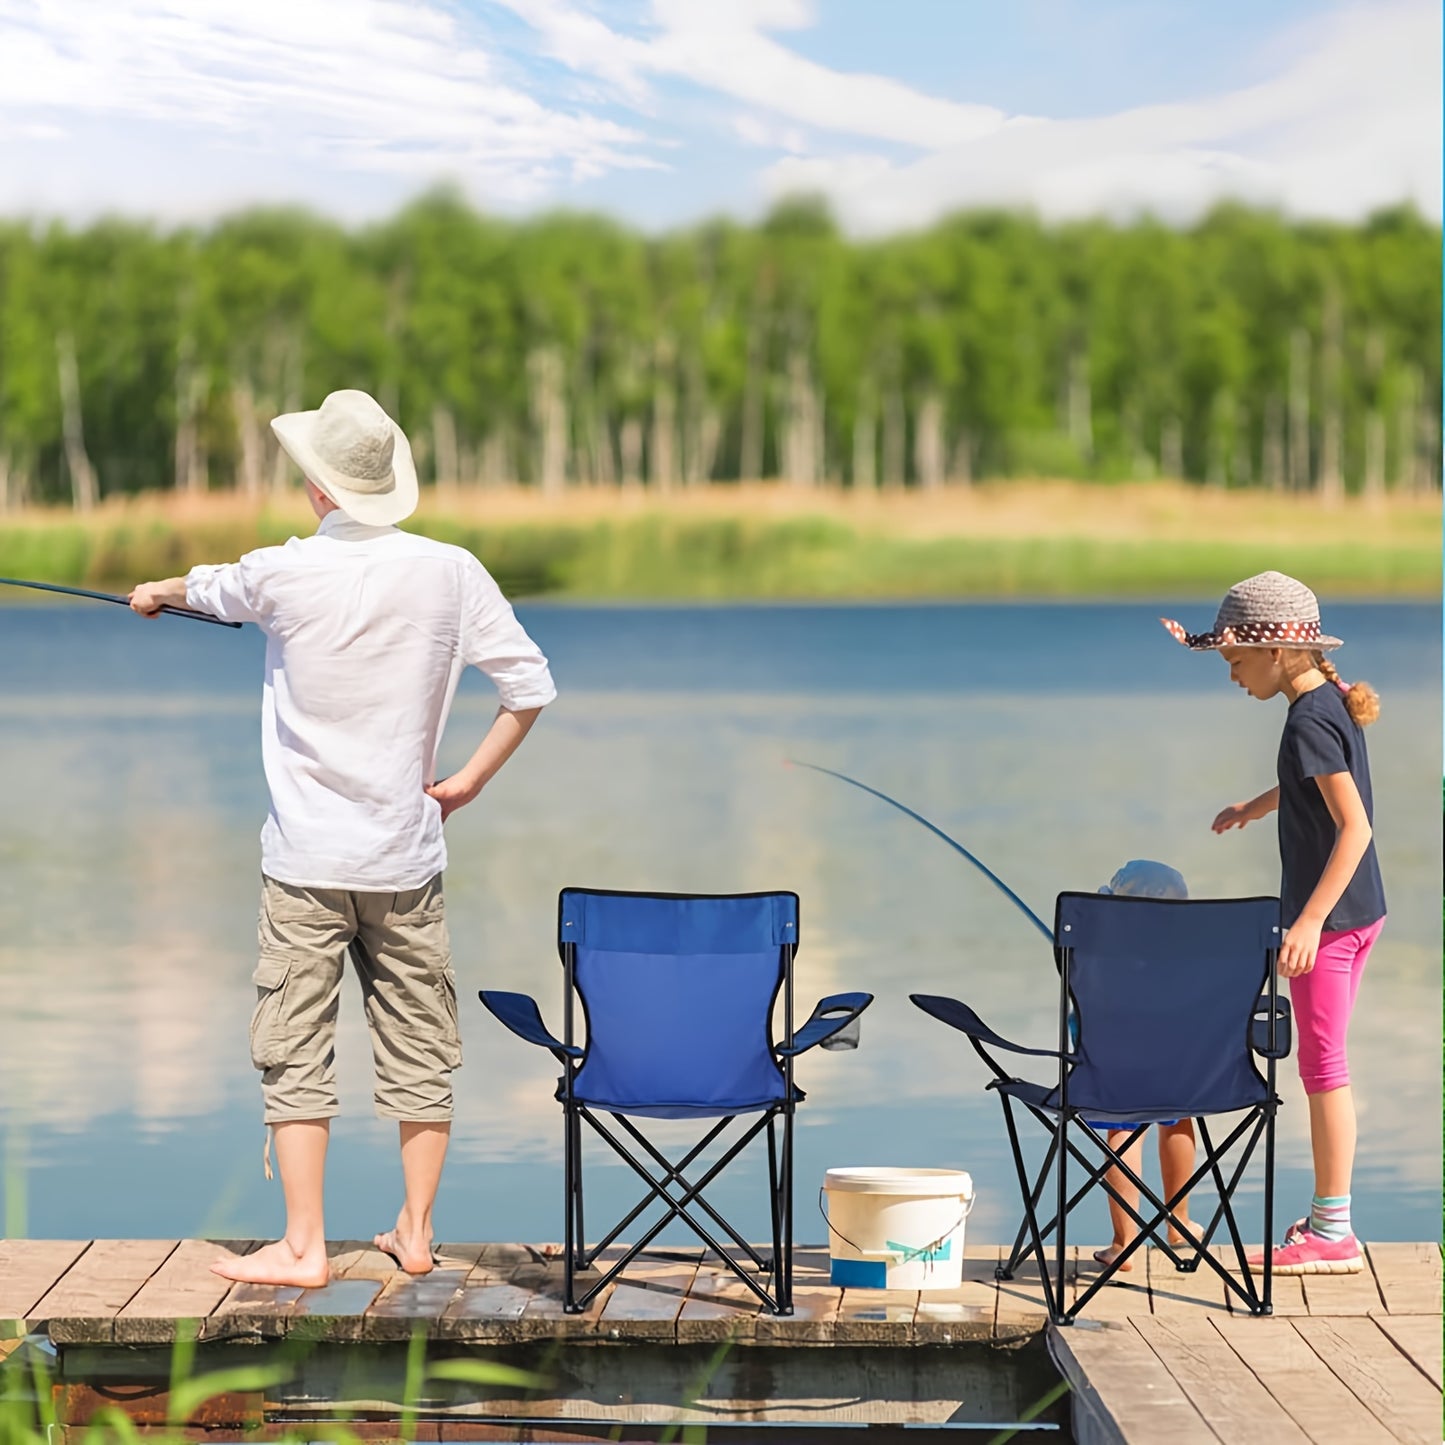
x,y
897,1228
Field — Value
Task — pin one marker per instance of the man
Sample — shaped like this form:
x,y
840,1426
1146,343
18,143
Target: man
x,y
367,631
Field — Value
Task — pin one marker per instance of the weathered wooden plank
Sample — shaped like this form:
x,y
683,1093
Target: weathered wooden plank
x,y
1306,1388
815,1311
407,1301
876,1317
1418,1336
29,1270
1021,1308
1219,1384
1379,1375
1122,1393
719,1306
82,1305
1287,1295
648,1299
1125,1296
947,1317
182,1290
1174,1292
251,1311
489,1305
1333,1295
1408,1276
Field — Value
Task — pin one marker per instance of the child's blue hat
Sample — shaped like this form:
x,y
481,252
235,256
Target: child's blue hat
x,y
1143,878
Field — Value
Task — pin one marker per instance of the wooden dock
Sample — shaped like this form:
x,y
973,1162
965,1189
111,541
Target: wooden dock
x,y
1345,1360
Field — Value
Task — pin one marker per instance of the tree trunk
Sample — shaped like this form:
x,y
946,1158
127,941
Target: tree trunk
x,y
288,371
661,452
750,460
895,440
1405,433
928,442
629,445
549,419
6,503
1271,458
800,460
1427,475
865,441
1331,474
446,465
960,466
1171,449
84,485
709,439
494,470
1300,475
252,440
1374,485
1221,432
190,460
1081,406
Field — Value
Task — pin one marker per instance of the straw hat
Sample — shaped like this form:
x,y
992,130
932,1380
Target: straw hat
x,y
1270,610
354,453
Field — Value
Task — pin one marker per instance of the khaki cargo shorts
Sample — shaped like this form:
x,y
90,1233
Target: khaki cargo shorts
x,y
398,945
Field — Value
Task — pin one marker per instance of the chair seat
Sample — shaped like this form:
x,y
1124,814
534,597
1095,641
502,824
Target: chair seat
x,y
661,1110
1045,1098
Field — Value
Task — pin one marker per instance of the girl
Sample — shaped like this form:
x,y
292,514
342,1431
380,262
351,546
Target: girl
x,y
1332,902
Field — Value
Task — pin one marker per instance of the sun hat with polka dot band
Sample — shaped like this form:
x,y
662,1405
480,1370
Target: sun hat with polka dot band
x,y
1270,610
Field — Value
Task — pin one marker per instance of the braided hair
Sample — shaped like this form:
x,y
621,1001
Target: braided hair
x,y
1361,700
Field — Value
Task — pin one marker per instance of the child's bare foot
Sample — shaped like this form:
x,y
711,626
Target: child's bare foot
x,y
1109,1254
408,1246
277,1264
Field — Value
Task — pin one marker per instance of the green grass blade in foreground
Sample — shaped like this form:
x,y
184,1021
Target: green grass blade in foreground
x,y
487,1372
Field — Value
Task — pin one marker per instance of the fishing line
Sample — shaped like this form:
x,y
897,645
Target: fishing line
x,y
939,833
114,597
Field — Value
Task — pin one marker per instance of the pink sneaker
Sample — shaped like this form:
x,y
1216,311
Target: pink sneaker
x,y
1305,1252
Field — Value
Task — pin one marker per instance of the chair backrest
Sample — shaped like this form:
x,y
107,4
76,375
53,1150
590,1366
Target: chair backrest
x,y
678,993
1165,992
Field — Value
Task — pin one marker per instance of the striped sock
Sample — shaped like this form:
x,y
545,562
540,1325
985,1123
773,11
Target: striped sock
x,y
1330,1217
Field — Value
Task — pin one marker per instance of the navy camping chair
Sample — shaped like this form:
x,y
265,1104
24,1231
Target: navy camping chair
x,y
678,995
1175,1005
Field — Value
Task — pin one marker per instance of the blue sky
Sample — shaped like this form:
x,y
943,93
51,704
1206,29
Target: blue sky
x,y
665,110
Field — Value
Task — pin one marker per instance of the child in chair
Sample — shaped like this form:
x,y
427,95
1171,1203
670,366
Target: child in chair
x,y
1142,878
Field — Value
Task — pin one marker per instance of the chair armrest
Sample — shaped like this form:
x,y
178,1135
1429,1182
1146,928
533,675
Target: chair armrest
x,y
1259,1028
519,1012
959,1016
830,1016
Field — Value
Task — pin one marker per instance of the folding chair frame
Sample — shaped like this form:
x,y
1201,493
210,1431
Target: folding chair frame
x,y
1270,1039
673,1189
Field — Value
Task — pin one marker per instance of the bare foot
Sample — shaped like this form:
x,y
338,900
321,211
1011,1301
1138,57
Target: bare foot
x,y
1109,1254
276,1264
412,1252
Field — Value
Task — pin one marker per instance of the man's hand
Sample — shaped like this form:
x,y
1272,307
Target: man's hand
x,y
1301,944
453,793
148,598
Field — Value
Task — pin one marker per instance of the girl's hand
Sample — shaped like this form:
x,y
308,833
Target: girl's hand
x,y
1301,944
1236,815
453,793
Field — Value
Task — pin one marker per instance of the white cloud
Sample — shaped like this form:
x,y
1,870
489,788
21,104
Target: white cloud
x,y
370,85
756,130
1349,121
1350,124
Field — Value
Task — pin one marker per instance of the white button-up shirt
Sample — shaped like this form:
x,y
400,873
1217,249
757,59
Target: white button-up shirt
x,y
367,631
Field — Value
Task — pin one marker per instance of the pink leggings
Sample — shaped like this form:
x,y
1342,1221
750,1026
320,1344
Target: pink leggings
x,y
1323,1000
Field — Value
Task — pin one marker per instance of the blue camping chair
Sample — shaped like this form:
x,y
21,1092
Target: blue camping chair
x,y
678,994
1164,1008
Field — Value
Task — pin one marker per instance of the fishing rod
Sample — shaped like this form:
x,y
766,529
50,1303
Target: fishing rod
x,y
938,832
114,597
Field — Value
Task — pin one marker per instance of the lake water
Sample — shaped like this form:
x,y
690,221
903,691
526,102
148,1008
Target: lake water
x,y
1055,741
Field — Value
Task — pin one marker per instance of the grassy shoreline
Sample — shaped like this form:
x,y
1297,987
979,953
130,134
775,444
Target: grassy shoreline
x,y
770,541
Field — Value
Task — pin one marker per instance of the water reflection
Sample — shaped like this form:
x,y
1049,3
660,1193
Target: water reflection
x,y
128,914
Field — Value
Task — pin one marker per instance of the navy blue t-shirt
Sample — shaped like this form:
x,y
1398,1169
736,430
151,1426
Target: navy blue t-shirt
x,y
1320,738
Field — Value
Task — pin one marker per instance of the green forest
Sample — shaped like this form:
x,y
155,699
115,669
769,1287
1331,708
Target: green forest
x,y
569,350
